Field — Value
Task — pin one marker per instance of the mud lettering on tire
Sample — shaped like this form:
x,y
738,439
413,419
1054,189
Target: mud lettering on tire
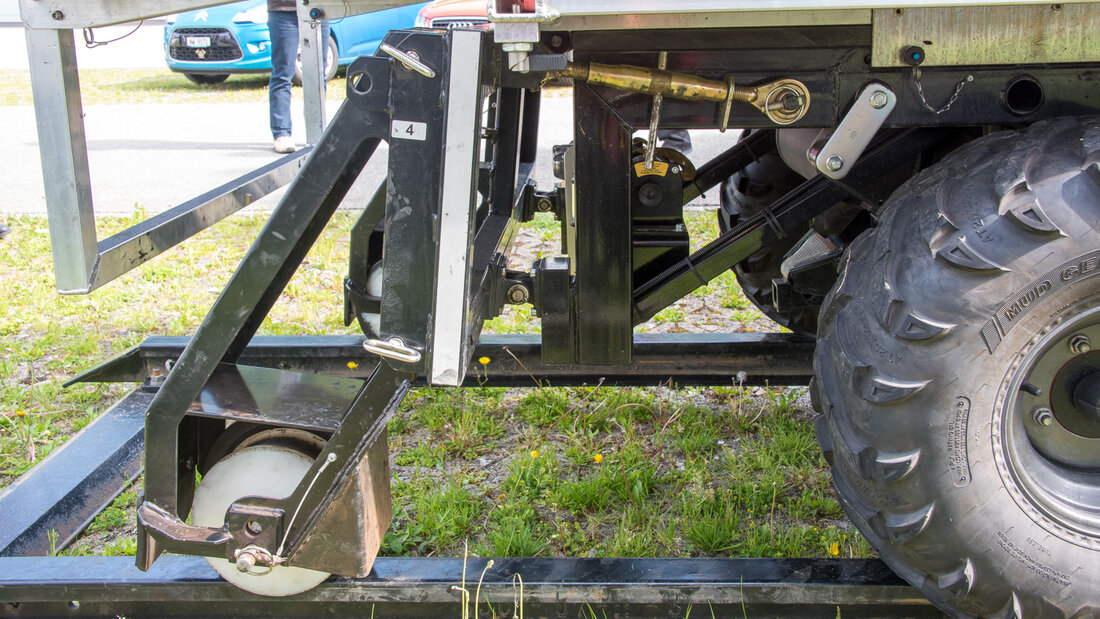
x,y
1058,278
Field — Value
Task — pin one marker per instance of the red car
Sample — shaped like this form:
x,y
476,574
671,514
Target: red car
x,y
452,14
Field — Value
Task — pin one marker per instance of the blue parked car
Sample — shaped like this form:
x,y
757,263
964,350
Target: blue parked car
x,y
209,44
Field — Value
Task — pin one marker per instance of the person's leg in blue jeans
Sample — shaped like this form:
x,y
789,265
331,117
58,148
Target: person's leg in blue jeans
x,y
284,52
283,26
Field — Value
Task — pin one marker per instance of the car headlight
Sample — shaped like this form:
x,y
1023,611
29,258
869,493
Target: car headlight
x,y
254,15
421,21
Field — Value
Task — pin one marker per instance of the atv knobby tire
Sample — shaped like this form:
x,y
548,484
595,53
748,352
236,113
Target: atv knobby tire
x,y
982,271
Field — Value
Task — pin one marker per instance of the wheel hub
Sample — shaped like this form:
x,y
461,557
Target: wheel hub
x,y
1051,429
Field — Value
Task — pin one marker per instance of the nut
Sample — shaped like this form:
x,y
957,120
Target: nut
x,y
1080,344
1043,416
834,163
246,561
879,99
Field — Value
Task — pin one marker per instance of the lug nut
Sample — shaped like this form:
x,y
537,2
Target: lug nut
x,y
1080,344
834,163
1043,416
879,99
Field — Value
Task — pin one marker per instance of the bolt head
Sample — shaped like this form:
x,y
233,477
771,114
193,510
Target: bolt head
x,y
1080,344
834,163
879,99
675,169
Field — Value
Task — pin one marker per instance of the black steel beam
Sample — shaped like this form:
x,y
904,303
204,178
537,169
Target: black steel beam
x,y
64,492
516,360
603,273
174,586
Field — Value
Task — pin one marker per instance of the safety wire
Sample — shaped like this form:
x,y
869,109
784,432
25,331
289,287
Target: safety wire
x,y
279,558
90,42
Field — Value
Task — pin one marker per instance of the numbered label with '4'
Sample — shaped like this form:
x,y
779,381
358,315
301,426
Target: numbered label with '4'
x,y
409,130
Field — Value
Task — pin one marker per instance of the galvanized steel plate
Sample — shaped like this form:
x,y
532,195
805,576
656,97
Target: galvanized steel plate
x,y
989,35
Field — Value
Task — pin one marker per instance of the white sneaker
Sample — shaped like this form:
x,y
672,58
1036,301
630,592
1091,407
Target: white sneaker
x,y
284,144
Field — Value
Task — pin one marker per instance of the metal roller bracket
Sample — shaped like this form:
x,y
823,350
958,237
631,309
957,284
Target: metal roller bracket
x,y
867,114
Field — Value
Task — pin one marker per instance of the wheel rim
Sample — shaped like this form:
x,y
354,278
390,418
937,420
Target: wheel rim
x,y
1050,432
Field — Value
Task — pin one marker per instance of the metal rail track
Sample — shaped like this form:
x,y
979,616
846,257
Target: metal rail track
x,y
187,586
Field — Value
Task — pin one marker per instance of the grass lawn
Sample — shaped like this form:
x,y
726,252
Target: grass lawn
x,y
540,471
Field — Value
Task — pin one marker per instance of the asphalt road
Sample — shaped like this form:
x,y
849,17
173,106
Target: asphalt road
x,y
154,156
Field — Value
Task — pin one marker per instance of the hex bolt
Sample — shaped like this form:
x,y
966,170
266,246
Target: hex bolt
x,y
57,15
674,169
834,163
517,294
245,562
253,527
879,99
1080,344
1043,416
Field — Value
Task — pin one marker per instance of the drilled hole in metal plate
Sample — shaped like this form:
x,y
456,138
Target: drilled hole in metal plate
x,y
361,83
1023,95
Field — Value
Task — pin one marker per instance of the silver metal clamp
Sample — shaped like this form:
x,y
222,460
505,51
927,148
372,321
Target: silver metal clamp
x,y
863,120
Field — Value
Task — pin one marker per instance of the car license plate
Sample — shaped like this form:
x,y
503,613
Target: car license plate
x,y
197,41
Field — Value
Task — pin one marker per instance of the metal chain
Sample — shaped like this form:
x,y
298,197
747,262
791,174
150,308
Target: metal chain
x,y
950,102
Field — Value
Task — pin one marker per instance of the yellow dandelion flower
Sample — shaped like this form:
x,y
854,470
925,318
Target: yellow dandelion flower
x,y
20,413
535,453
834,549
352,365
598,458
483,360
